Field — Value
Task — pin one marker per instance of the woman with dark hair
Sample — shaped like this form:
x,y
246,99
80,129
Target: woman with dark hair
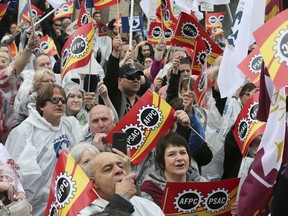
x,y
173,157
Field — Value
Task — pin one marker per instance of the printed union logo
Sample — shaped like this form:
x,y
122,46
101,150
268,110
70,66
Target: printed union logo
x,y
243,129
79,46
190,31
217,200
156,32
188,201
149,117
135,136
255,64
44,46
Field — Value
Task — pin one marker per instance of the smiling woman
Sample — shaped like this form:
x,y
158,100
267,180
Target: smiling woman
x,y
173,157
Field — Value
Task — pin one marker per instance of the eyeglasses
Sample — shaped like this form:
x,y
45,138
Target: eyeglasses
x,y
48,81
132,77
55,100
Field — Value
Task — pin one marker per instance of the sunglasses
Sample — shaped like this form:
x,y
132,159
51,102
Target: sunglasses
x,y
132,77
55,100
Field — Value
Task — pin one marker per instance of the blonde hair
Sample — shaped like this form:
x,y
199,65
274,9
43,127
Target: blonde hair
x,y
39,75
5,55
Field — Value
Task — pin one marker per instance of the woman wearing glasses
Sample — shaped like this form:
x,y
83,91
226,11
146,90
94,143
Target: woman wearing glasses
x,y
42,78
38,141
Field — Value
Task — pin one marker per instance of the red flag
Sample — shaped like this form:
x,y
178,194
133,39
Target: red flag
x,y
36,12
70,190
200,85
169,33
214,20
271,39
100,4
47,46
165,13
104,30
84,16
145,122
263,175
247,127
65,10
188,29
155,32
200,198
251,66
199,56
3,8
77,50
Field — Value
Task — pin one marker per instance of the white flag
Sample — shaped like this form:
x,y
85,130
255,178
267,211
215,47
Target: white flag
x,y
189,5
248,17
214,2
56,3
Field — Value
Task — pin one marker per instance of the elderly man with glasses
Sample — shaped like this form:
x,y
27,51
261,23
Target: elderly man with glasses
x,y
37,142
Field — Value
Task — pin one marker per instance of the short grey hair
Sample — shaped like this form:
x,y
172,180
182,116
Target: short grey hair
x,y
39,75
78,150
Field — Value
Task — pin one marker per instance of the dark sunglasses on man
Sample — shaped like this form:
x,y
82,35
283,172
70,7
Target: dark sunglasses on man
x,y
132,77
55,100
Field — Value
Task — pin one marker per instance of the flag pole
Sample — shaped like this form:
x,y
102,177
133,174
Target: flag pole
x,y
229,13
31,18
131,24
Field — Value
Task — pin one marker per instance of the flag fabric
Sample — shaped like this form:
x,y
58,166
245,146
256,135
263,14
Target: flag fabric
x,y
77,50
200,85
3,8
245,23
215,2
89,3
165,13
273,7
214,20
84,16
47,46
104,30
200,56
188,6
262,177
200,198
155,32
137,23
36,12
271,39
101,4
70,189
56,3
145,122
251,66
247,126
267,87
65,10
186,32
169,34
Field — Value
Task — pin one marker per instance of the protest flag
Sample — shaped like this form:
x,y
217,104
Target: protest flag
x,y
47,46
200,198
262,177
273,7
65,10
104,30
84,16
165,13
251,66
230,78
77,50
155,32
101,4
247,126
36,12
186,32
271,39
70,190
3,8
200,85
145,122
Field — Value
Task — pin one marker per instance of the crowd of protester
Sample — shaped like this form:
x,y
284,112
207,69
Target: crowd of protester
x,y
40,116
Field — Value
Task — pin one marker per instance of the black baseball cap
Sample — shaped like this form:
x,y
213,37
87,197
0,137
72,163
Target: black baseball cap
x,y
129,69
